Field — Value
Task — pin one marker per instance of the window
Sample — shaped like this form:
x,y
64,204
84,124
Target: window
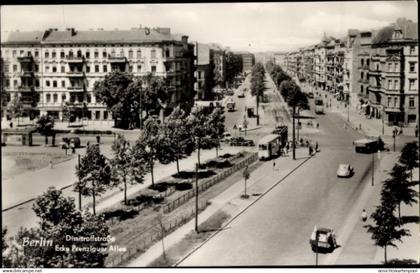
x,y
96,68
62,55
105,68
368,62
389,101
362,62
53,54
389,67
47,54
167,53
54,83
130,68
88,98
63,69
14,53
412,67
411,102
54,69
7,83
15,83
130,54
396,67
63,84
14,68
79,54
55,98
48,97
104,54
47,83
87,54
362,75
96,54
138,54
21,53
139,68
36,54
122,53
412,84
88,69
105,114
47,69
412,50
63,97
97,114
396,85
153,69
389,84
70,54
153,54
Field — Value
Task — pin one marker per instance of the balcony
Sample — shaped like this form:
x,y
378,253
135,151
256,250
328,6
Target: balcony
x,y
117,59
393,109
26,88
374,72
26,59
375,89
76,88
27,74
75,74
75,59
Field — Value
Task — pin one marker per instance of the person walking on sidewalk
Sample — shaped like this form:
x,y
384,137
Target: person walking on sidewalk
x,y
416,131
51,164
364,215
274,164
287,147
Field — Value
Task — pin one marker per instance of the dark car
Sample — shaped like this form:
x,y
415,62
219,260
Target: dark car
x,y
311,95
240,141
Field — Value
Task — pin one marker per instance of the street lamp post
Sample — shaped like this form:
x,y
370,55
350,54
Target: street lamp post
x,y
80,190
383,122
373,169
196,197
393,136
348,108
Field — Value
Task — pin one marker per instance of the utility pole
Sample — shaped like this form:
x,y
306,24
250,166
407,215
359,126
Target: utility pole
x,y
348,108
373,169
294,140
80,190
196,197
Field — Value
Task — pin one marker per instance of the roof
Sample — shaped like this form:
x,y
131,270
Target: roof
x,y
27,37
108,36
409,31
269,138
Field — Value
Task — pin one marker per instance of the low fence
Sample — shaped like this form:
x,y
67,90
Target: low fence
x,y
142,241
204,184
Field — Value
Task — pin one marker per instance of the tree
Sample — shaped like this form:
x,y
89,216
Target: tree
x,y
16,107
125,167
94,174
155,94
45,125
121,95
61,225
217,126
233,66
200,128
294,98
180,142
409,156
150,142
386,228
398,188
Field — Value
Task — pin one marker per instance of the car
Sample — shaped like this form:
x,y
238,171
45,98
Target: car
x,y
345,170
227,137
68,139
323,239
311,95
241,94
240,141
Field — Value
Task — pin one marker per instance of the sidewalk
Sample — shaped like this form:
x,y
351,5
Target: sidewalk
x,y
229,201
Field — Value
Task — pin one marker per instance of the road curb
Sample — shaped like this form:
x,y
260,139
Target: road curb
x,y
242,211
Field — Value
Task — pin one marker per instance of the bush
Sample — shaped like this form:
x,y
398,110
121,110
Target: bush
x,y
189,175
227,155
162,186
92,132
219,164
120,213
146,199
183,186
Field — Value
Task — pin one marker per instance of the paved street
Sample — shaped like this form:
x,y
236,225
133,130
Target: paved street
x,y
321,200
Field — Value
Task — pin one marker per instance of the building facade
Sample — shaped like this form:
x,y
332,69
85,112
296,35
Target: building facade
x,y
248,61
61,67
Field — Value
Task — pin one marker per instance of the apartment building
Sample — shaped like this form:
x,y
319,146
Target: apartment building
x,y
52,69
248,61
308,64
280,59
393,74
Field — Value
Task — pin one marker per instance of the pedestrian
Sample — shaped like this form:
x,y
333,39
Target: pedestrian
x,y
11,124
360,126
73,148
51,164
287,147
98,139
401,131
316,146
310,150
416,131
317,125
274,164
364,215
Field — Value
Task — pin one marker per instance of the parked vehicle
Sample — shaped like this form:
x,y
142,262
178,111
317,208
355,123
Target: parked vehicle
x,y
241,94
323,239
227,137
311,95
269,146
240,141
345,170
70,138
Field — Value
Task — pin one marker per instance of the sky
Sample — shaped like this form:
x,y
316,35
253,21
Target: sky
x,y
253,27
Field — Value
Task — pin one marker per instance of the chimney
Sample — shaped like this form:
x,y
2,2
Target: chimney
x,y
184,39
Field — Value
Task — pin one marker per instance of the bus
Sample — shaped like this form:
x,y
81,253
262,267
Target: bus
x,y
319,106
269,146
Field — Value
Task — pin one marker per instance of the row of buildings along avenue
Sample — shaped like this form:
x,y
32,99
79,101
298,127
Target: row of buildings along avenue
x,y
377,70
52,68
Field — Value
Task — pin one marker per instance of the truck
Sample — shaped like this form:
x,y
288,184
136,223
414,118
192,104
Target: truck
x,y
370,145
